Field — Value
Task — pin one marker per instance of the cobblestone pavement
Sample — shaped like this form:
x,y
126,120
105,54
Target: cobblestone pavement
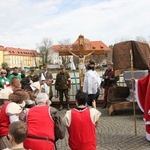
x,y
116,132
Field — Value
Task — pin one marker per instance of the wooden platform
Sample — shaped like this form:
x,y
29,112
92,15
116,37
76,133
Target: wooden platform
x,y
56,103
119,106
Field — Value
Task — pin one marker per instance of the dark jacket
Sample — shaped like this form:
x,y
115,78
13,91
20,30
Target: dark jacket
x,y
63,81
47,75
33,77
111,80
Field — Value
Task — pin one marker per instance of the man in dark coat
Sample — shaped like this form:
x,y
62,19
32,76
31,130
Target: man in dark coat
x,y
63,85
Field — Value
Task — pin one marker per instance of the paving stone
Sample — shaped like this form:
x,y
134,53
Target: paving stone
x,y
116,132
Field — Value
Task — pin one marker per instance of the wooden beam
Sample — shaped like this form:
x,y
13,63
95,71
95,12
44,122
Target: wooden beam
x,y
81,49
85,52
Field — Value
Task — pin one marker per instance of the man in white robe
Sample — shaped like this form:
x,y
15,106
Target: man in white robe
x,y
91,84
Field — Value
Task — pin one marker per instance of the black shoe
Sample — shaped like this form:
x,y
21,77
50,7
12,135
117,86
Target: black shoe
x,y
68,106
61,107
103,107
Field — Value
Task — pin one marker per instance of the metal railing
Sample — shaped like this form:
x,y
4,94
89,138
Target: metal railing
x,y
72,92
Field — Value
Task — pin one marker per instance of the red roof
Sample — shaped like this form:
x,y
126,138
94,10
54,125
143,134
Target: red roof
x,y
19,51
2,48
56,48
99,45
89,45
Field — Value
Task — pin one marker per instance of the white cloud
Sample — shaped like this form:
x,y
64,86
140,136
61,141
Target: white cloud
x,y
25,23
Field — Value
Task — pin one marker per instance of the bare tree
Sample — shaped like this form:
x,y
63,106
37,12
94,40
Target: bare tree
x,y
111,46
141,39
64,42
138,38
148,40
44,49
66,46
122,39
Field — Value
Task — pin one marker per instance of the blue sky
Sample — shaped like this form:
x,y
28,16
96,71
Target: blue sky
x,y
24,23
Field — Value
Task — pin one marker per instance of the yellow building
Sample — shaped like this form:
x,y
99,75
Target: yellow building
x,y
19,57
1,54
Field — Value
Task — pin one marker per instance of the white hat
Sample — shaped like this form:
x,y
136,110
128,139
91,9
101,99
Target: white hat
x,y
4,94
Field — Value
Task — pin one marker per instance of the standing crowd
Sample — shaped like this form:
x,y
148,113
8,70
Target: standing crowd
x,y
27,119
